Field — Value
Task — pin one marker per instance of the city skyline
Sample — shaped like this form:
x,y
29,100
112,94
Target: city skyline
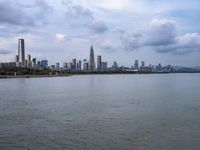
x,y
78,65
122,31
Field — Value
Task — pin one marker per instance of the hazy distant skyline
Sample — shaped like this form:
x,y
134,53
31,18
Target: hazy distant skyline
x,y
156,31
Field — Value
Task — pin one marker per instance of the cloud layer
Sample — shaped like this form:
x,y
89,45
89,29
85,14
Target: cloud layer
x,y
116,28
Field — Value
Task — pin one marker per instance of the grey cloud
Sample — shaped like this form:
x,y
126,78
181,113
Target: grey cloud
x,y
83,17
66,2
79,15
160,32
43,9
131,40
99,27
4,52
11,14
15,13
184,44
161,36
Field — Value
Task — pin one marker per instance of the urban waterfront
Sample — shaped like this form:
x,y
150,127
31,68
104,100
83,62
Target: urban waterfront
x,y
101,112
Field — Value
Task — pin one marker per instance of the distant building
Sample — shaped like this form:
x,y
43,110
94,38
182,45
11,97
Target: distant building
x,y
85,65
78,65
57,65
34,62
8,65
16,58
70,65
73,64
104,66
91,60
143,64
21,52
28,60
65,66
136,64
98,63
44,64
159,68
115,66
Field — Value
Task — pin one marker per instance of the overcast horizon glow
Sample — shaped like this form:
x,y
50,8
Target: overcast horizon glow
x,y
156,31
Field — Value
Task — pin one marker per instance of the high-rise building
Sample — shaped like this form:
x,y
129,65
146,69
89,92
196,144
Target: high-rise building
x,y
21,51
143,64
78,65
91,60
98,63
34,62
74,64
114,66
65,66
104,66
44,63
70,66
136,64
28,60
28,57
57,65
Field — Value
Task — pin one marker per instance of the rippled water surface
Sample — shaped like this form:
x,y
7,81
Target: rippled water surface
x,y
101,112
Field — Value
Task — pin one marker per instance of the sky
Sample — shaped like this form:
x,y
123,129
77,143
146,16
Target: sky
x,y
156,31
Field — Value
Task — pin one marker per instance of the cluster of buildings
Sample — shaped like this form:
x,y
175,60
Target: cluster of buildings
x,y
25,60
85,65
77,65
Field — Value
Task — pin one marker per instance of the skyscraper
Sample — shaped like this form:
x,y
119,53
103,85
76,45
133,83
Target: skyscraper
x,y
78,65
74,64
136,65
91,60
85,65
98,63
21,51
28,60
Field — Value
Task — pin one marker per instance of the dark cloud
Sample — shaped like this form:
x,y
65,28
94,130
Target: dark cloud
x,y
183,45
15,13
161,36
12,14
83,17
160,32
98,27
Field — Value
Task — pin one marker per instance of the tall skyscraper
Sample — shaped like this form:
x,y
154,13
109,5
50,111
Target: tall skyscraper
x,y
91,60
21,51
98,63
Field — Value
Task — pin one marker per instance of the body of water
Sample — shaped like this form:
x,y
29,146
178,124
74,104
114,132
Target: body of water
x,y
101,112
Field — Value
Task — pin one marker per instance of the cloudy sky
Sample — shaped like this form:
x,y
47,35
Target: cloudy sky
x,y
157,31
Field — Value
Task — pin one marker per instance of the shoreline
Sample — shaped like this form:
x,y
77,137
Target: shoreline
x,y
71,74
